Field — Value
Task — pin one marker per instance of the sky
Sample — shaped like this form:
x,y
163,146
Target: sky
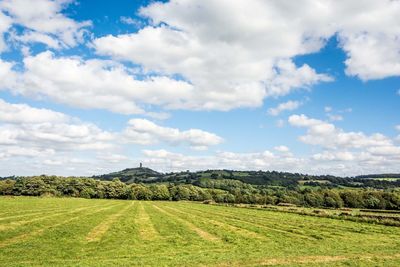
x,y
91,87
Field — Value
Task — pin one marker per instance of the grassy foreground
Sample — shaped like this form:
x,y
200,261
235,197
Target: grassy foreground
x,y
81,232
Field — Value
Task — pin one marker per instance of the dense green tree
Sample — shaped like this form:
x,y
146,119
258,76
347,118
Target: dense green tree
x,y
219,190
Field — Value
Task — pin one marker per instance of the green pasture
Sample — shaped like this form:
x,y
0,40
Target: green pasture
x,y
84,232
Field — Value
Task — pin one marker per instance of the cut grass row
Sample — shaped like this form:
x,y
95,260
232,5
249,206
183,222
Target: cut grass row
x,y
132,233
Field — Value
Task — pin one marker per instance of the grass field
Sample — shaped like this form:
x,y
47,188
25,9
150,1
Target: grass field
x,y
80,232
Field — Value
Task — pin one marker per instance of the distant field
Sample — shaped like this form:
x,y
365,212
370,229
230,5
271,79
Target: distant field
x,y
384,179
80,232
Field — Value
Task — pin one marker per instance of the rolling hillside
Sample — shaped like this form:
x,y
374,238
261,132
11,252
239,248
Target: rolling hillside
x,y
132,175
256,178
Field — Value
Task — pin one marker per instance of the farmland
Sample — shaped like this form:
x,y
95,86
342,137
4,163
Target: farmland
x,y
89,232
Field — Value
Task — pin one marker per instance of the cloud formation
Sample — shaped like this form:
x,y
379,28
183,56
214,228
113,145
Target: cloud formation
x,y
42,22
328,136
289,105
26,131
145,132
189,55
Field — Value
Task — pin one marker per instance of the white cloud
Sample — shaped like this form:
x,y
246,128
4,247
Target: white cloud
x,y
131,21
397,127
236,54
373,55
336,117
22,113
235,67
107,85
36,37
289,105
29,131
333,117
113,158
389,150
287,77
327,135
355,150
144,132
62,136
336,156
42,22
343,163
166,160
5,24
8,77
158,115
281,148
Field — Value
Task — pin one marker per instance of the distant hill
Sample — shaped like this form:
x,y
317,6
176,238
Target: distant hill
x,y
270,178
132,175
263,179
255,178
380,176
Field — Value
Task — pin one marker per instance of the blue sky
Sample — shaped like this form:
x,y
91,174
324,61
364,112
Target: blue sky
x,y
89,87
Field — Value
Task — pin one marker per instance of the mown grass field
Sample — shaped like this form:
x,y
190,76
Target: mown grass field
x,y
81,232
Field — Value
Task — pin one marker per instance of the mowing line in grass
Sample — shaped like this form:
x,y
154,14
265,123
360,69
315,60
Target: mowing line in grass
x,y
307,259
26,215
146,227
24,237
98,232
13,225
330,227
253,223
234,229
203,234
28,212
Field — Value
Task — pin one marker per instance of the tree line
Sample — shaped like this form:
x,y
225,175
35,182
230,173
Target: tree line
x,y
218,190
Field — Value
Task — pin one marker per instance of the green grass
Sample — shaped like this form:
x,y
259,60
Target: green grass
x,y
385,179
80,232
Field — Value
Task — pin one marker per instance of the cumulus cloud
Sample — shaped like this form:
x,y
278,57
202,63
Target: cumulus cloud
x,y
336,117
113,158
106,84
333,162
364,152
289,105
8,77
336,163
232,62
163,159
131,21
282,148
52,138
42,21
236,54
24,114
195,57
342,153
287,77
5,24
33,132
327,135
144,132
